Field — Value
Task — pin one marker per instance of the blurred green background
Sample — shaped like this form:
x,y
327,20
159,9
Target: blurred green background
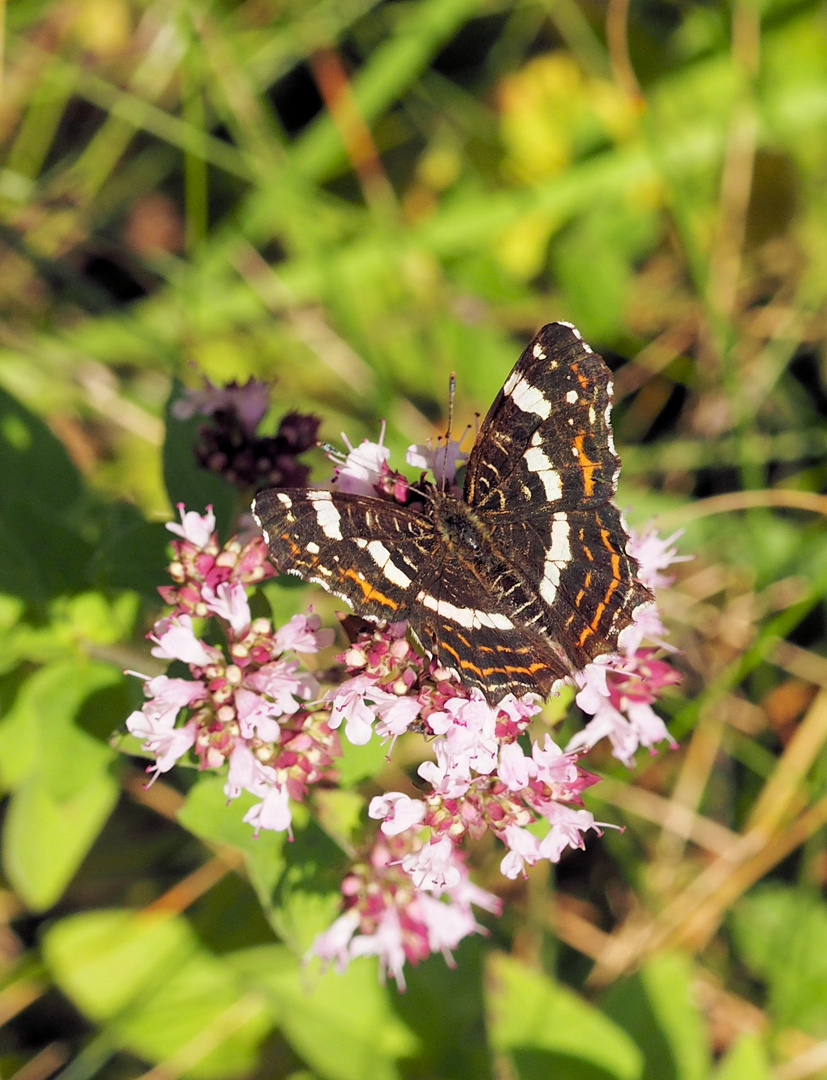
x,y
350,200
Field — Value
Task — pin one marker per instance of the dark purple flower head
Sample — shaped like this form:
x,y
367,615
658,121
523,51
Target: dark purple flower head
x,y
230,445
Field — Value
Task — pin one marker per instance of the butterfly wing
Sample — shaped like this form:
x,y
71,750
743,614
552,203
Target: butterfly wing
x,y
463,625
547,440
327,537
542,475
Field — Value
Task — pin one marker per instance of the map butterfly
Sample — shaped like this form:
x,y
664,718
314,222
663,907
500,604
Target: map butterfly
x,y
521,580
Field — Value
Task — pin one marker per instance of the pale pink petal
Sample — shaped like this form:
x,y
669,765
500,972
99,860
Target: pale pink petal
x,y
195,528
397,812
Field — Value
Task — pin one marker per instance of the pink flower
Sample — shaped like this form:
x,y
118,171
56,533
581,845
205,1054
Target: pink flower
x,y
248,402
303,635
362,469
175,640
283,683
196,528
441,460
654,554
349,705
333,944
229,602
619,699
166,743
567,828
386,942
273,812
397,812
434,866
515,769
523,847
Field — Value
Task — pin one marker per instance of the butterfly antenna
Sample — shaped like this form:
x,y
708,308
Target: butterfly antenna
x,y
446,449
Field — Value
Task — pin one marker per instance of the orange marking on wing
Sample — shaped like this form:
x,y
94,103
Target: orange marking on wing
x,y
468,666
295,550
453,652
586,464
585,634
615,582
369,592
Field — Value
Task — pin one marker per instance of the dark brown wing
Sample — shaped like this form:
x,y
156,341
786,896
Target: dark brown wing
x,y
369,552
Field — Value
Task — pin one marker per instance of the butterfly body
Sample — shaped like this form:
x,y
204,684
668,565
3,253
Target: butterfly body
x,y
523,579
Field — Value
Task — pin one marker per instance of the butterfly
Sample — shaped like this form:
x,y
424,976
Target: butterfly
x,y
522,579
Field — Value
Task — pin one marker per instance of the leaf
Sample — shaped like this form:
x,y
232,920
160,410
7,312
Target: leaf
x,y
160,991
775,927
357,763
45,839
40,732
656,1008
548,1030
745,1060
132,555
43,552
343,1024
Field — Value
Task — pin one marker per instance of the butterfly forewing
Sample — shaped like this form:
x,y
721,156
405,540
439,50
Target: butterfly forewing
x,y
371,552
546,440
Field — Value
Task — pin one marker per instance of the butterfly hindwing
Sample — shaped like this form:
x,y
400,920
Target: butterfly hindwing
x,y
466,628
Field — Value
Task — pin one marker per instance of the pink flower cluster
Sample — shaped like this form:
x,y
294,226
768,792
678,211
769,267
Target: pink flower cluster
x,y
251,706
248,706
399,916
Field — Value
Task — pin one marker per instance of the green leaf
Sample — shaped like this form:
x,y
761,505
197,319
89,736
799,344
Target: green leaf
x,y
45,839
40,733
775,927
163,995
745,1060
43,552
343,1024
297,883
656,1007
60,775
133,554
547,1030
186,482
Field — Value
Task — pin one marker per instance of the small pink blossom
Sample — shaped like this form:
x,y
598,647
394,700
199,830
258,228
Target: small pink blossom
x,y
349,705
397,812
175,640
523,847
229,602
333,944
362,469
654,554
434,866
273,812
195,528
442,460
386,942
303,634
248,402
515,769
284,684
166,743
